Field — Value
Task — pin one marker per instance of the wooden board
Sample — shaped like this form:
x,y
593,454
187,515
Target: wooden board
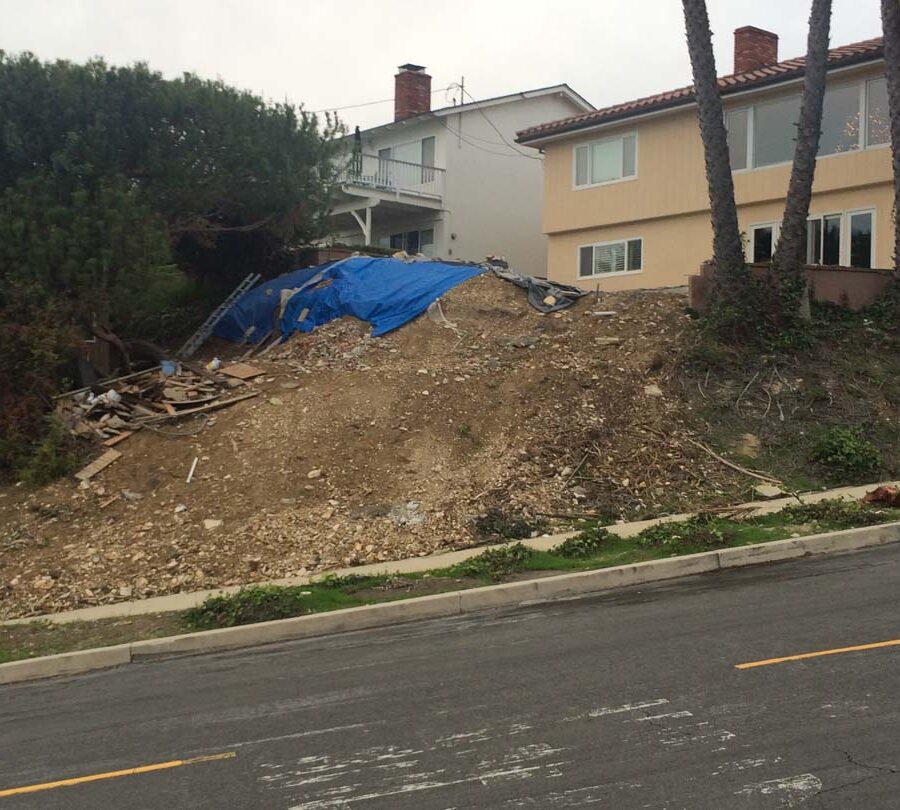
x,y
242,371
120,438
97,465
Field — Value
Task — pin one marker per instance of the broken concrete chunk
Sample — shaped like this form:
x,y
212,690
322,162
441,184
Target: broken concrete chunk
x,y
210,524
768,491
747,445
524,342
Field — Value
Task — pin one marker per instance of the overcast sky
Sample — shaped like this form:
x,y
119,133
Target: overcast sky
x,y
327,55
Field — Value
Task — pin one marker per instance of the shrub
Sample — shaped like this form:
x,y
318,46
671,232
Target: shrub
x,y
588,543
846,452
699,532
249,605
54,456
495,563
834,513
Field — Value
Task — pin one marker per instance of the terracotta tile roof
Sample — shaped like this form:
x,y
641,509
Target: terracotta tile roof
x,y
865,51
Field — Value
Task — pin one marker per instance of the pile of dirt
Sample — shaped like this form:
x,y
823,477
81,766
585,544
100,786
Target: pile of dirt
x,y
367,449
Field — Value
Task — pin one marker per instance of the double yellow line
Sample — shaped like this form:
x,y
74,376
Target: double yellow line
x,y
97,777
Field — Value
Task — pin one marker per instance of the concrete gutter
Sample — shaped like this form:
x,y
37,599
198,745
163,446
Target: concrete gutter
x,y
183,601
455,603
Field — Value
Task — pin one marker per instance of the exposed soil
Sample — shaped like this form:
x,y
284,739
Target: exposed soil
x,y
363,450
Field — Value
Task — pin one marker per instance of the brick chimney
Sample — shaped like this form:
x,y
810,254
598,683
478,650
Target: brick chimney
x,y
412,91
754,48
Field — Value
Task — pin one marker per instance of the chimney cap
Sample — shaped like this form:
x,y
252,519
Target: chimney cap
x,y
752,28
411,67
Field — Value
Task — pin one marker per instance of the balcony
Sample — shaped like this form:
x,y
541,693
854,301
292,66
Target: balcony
x,y
365,174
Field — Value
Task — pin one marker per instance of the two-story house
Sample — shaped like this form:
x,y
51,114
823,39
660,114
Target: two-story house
x,y
450,182
625,194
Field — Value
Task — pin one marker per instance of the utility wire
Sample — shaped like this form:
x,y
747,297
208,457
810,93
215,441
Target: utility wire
x,y
494,126
371,103
480,148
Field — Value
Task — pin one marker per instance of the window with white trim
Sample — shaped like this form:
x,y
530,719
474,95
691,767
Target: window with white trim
x,y
840,239
611,258
763,238
606,161
854,117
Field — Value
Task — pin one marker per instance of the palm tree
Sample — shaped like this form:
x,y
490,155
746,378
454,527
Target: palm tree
x,y
790,255
890,23
732,274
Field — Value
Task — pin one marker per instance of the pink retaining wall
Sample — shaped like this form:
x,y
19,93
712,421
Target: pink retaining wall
x,y
854,288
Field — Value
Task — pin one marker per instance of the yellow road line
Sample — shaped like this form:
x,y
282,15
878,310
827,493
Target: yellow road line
x,y
858,648
96,777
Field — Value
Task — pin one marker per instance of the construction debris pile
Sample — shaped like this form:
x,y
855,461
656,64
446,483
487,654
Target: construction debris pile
x,y
110,412
361,449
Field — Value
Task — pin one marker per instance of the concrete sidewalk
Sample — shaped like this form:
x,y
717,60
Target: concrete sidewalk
x,y
184,601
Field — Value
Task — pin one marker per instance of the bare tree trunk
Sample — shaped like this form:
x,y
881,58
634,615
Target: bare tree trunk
x,y
728,253
890,22
790,255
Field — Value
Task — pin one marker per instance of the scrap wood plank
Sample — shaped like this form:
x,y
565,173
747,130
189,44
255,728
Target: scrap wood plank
x,y
212,406
243,371
194,401
97,465
120,438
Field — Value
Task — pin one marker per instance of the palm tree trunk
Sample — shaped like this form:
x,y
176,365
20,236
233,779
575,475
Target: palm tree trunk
x,y
728,253
790,255
890,22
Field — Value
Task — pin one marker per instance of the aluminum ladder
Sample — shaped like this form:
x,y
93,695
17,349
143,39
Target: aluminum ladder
x,y
205,329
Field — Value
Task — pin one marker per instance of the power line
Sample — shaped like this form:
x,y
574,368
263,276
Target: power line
x,y
474,145
494,127
371,103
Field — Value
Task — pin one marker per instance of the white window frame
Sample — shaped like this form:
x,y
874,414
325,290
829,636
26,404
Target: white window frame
x,y
844,250
823,216
751,234
864,107
595,245
748,158
863,134
845,243
620,137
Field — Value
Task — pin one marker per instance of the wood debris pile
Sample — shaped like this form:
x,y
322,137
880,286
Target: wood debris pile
x,y
112,411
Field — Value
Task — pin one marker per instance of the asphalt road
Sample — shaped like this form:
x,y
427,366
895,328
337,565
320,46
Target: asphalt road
x,y
631,700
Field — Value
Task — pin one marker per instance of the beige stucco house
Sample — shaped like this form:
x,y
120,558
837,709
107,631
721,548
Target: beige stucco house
x,y
625,195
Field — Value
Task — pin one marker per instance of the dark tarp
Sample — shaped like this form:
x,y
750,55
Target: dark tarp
x,y
539,288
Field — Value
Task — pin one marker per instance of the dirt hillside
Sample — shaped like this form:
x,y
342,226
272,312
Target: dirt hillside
x,y
436,436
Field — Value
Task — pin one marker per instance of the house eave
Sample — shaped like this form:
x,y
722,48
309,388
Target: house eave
x,y
687,102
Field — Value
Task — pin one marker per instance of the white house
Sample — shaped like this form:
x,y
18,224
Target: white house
x,y
451,182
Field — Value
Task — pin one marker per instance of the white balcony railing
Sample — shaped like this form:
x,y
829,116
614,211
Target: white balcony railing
x,y
371,171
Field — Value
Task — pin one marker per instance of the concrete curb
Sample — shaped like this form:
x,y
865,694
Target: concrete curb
x,y
455,603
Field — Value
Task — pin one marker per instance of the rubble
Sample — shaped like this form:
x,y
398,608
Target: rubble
x,y
149,397
558,430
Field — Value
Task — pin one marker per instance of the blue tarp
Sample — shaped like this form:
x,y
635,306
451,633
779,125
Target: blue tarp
x,y
252,317
384,292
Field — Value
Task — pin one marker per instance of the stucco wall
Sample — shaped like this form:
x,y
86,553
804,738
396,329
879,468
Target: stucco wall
x,y
494,195
667,202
